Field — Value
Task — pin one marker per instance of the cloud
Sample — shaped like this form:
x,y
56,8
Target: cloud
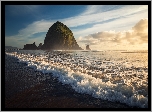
x,y
26,35
36,27
138,35
103,18
88,40
118,23
91,9
91,15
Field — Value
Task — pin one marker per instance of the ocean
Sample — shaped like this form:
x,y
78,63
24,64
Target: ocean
x,y
117,76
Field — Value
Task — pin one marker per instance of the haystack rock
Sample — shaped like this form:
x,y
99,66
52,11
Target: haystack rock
x,y
60,37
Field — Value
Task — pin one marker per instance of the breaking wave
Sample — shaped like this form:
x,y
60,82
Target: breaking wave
x,y
96,73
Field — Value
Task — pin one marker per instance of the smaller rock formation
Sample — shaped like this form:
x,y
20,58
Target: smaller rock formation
x,y
40,46
87,47
30,46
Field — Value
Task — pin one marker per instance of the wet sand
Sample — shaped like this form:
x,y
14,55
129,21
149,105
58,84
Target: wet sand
x,y
23,89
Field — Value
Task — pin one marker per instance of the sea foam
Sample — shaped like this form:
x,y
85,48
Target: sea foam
x,y
68,70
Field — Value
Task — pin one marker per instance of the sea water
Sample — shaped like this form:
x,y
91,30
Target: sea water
x,y
118,76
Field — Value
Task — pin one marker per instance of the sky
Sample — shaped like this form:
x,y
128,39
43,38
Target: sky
x,y
102,27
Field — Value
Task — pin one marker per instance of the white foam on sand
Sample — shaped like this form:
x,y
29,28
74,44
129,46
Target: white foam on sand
x,y
67,71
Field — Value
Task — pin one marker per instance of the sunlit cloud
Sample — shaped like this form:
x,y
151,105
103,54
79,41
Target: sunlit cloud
x,y
136,36
119,24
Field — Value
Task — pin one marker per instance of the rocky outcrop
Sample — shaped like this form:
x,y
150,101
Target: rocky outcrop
x,y
30,46
60,37
87,47
40,46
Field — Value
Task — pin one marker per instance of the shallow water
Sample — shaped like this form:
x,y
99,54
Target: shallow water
x,y
110,75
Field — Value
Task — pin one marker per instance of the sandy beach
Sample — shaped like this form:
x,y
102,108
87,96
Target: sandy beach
x,y
23,89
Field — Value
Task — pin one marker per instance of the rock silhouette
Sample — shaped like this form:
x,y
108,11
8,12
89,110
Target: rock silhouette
x,y
30,46
40,46
60,37
87,47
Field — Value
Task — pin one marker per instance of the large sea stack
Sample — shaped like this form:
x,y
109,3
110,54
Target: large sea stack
x,y
60,37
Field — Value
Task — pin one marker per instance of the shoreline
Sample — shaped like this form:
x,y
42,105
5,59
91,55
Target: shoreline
x,y
24,90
